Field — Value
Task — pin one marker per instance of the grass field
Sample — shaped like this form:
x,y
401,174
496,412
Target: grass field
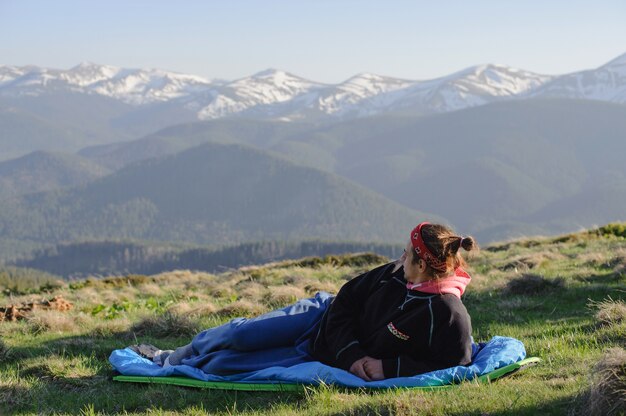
x,y
563,297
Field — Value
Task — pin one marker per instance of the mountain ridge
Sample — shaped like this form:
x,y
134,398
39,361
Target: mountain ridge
x,y
280,95
522,154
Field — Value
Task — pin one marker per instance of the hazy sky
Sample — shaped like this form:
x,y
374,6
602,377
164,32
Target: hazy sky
x,y
326,41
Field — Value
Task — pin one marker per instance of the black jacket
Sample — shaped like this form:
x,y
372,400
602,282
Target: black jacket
x,y
411,332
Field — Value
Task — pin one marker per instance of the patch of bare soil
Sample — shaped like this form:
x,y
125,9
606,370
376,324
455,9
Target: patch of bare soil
x,y
22,310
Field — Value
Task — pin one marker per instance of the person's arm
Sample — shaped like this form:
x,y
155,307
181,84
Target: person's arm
x,y
343,316
451,346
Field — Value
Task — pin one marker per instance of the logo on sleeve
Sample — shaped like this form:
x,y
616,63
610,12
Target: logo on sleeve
x,y
396,332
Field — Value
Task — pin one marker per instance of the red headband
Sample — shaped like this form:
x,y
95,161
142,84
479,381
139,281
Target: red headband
x,y
423,252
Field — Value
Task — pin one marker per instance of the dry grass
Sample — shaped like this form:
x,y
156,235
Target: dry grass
x,y
283,295
315,287
107,328
109,296
151,289
610,311
242,308
296,280
251,290
222,291
533,284
608,386
619,262
197,309
615,260
17,300
530,261
90,295
53,321
168,324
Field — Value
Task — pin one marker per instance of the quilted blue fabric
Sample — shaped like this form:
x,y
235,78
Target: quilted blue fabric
x,y
498,352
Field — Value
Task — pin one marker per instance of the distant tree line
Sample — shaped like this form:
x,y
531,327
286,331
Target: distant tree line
x,y
73,260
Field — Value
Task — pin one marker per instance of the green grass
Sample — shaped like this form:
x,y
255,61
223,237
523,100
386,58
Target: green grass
x,y
545,292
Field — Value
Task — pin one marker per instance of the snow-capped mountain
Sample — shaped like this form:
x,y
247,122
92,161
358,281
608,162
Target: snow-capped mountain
x,y
132,86
362,95
606,83
264,89
278,95
359,96
471,87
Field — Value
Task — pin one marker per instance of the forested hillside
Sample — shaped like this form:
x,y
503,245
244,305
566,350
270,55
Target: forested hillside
x,y
211,194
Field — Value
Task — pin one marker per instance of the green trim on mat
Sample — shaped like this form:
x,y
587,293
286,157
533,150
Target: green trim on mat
x,y
292,387
217,385
495,374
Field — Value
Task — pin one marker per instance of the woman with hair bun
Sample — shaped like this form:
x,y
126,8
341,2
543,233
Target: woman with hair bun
x,y
403,318
400,319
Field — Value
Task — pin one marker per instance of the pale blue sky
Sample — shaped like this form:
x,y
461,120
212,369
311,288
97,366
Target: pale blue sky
x,y
322,40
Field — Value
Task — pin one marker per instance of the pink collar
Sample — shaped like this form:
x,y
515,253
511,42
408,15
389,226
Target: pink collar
x,y
454,284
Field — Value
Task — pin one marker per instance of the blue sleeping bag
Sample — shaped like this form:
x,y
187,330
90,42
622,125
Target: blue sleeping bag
x,y
487,357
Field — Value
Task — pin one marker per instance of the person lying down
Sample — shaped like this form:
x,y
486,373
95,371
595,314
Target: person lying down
x,y
400,319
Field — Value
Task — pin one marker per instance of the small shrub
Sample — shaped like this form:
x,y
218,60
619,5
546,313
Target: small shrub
x,y
168,324
533,284
612,229
608,385
610,311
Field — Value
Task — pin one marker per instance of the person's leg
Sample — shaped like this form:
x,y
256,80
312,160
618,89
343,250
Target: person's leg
x,y
225,362
278,328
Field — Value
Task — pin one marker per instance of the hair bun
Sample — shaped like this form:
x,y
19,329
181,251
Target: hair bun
x,y
467,243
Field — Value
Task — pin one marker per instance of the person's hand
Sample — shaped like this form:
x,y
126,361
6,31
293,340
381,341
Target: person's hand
x,y
374,369
358,368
